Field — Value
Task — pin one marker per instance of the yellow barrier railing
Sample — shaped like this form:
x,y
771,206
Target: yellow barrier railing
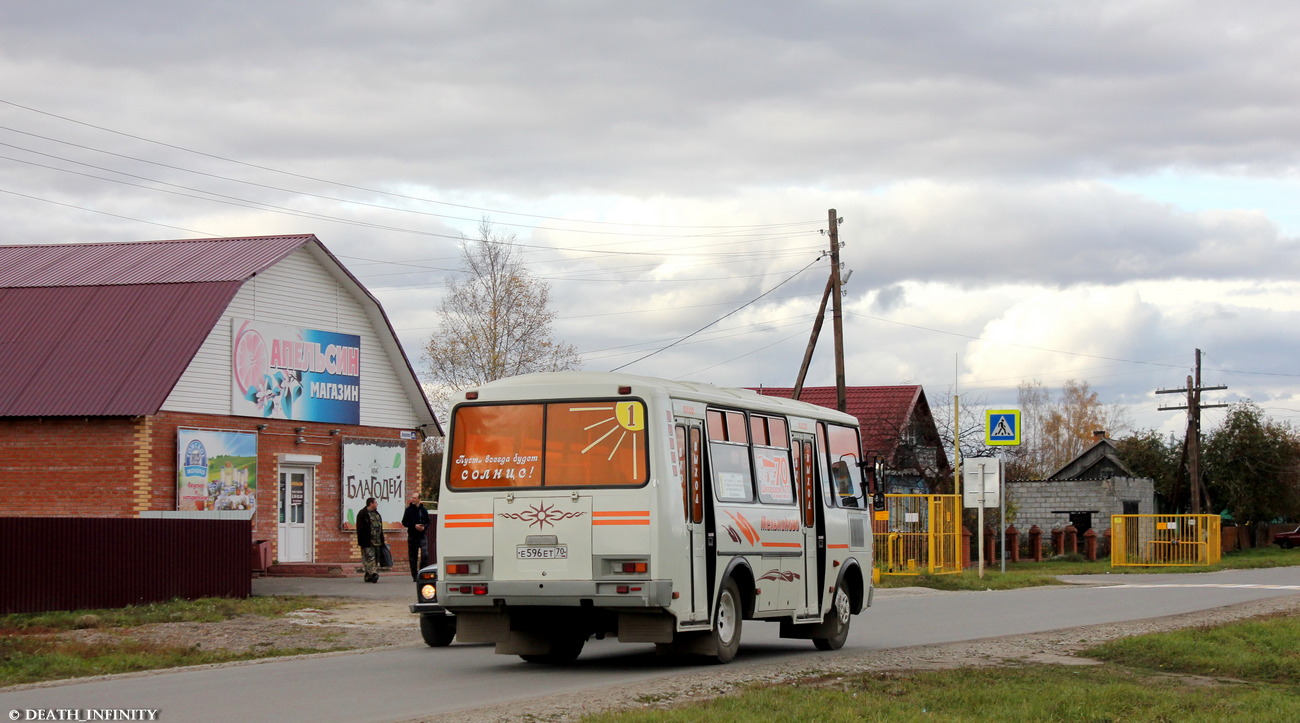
x,y
1163,540
918,533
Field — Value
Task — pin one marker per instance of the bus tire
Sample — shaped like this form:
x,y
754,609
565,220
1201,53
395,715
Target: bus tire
x,y
838,618
437,630
563,651
726,623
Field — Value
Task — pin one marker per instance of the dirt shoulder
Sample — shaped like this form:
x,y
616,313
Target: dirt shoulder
x,y
345,625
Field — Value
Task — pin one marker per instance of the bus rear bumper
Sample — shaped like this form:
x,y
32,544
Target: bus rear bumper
x,y
558,593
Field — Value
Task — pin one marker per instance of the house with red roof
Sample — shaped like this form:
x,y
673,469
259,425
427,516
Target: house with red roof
x,y
250,377
897,425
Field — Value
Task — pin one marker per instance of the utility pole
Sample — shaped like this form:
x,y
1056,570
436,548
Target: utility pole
x,y
837,317
1192,441
833,294
812,340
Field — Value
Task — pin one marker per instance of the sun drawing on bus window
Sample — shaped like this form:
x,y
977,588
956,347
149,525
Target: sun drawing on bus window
x,y
625,418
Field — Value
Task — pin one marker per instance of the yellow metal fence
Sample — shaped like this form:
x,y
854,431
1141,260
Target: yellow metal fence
x,y
1161,540
918,533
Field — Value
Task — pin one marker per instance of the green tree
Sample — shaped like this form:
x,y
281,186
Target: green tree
x,y
496,320
1252,466
1149,454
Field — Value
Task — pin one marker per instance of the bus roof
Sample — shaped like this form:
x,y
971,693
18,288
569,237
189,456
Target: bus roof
x,y
552,385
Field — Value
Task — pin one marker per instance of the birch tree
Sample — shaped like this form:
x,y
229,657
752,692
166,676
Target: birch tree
x,y
496,319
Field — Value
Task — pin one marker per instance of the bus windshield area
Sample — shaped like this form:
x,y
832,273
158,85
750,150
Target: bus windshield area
x,y
846,478
553,444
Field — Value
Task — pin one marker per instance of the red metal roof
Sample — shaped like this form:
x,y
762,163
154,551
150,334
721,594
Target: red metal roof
x,y
108,329
152,262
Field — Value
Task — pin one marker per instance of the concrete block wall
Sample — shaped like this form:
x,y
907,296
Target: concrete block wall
x,y
1036,500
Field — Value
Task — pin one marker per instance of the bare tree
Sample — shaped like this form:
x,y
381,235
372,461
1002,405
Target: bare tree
x,y
970,431
496,321
1055,432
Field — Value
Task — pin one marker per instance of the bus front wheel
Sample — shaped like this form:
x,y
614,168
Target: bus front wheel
x,y
838,618
726,623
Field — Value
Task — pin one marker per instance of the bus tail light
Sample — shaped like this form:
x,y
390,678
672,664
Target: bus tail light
x,y
632,567
462,568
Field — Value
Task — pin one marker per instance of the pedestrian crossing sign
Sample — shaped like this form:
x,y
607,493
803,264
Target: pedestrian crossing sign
x,y
1002,426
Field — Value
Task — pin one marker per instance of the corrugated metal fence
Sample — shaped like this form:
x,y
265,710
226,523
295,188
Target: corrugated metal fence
x,y
75,563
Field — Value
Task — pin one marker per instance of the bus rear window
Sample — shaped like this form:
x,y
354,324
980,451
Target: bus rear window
x,y
594,443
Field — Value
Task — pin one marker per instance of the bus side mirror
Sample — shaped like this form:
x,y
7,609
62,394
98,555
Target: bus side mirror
x,y
874,472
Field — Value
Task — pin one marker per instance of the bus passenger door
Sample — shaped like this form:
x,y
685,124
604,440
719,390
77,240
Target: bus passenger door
x,y
810,517
690,450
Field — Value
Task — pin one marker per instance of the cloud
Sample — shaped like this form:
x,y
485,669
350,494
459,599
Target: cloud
x,y
989,160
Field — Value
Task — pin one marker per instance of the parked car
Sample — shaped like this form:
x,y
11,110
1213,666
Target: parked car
x,y
1287,540
437,626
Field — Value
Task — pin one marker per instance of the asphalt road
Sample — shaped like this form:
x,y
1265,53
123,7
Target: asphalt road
x,y
408,682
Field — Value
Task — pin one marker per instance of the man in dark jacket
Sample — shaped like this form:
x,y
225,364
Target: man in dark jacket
x,y
416,522
370,537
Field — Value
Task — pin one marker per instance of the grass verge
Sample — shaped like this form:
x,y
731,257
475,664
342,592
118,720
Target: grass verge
x,y
32,649
1240,671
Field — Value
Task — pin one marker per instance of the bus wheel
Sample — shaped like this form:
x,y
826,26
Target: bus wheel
x,y
726,623
437,630
563,651
838,617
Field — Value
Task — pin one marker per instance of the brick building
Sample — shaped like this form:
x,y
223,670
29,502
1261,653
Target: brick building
x,y
233,377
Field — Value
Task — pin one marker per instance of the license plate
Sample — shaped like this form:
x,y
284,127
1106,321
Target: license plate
x,y
553,552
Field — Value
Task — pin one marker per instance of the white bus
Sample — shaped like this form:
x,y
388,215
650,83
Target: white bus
x,y
580,504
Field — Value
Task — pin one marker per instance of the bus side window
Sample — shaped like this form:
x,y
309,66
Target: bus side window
x,y
733,476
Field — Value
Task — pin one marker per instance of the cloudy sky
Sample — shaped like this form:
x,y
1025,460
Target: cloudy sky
x,y
1030,191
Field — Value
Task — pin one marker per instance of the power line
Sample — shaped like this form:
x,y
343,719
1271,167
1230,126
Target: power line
x,y
348,185
105,213
724,316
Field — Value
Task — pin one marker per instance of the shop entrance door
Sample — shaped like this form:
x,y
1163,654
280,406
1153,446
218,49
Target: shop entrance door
x,y
295,514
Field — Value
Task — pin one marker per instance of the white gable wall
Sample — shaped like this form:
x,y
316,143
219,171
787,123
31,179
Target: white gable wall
x,y
298,291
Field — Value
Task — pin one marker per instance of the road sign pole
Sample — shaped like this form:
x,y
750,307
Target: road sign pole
x,y
981,524
1002,516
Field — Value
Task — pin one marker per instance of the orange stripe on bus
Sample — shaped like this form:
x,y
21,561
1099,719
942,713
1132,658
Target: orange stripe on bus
x,y
782,544
469,524
838,547
627,513
620,522
486,516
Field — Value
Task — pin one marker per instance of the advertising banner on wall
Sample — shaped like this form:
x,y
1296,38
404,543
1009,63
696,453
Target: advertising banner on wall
x,y
288,372
373,468
216,470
